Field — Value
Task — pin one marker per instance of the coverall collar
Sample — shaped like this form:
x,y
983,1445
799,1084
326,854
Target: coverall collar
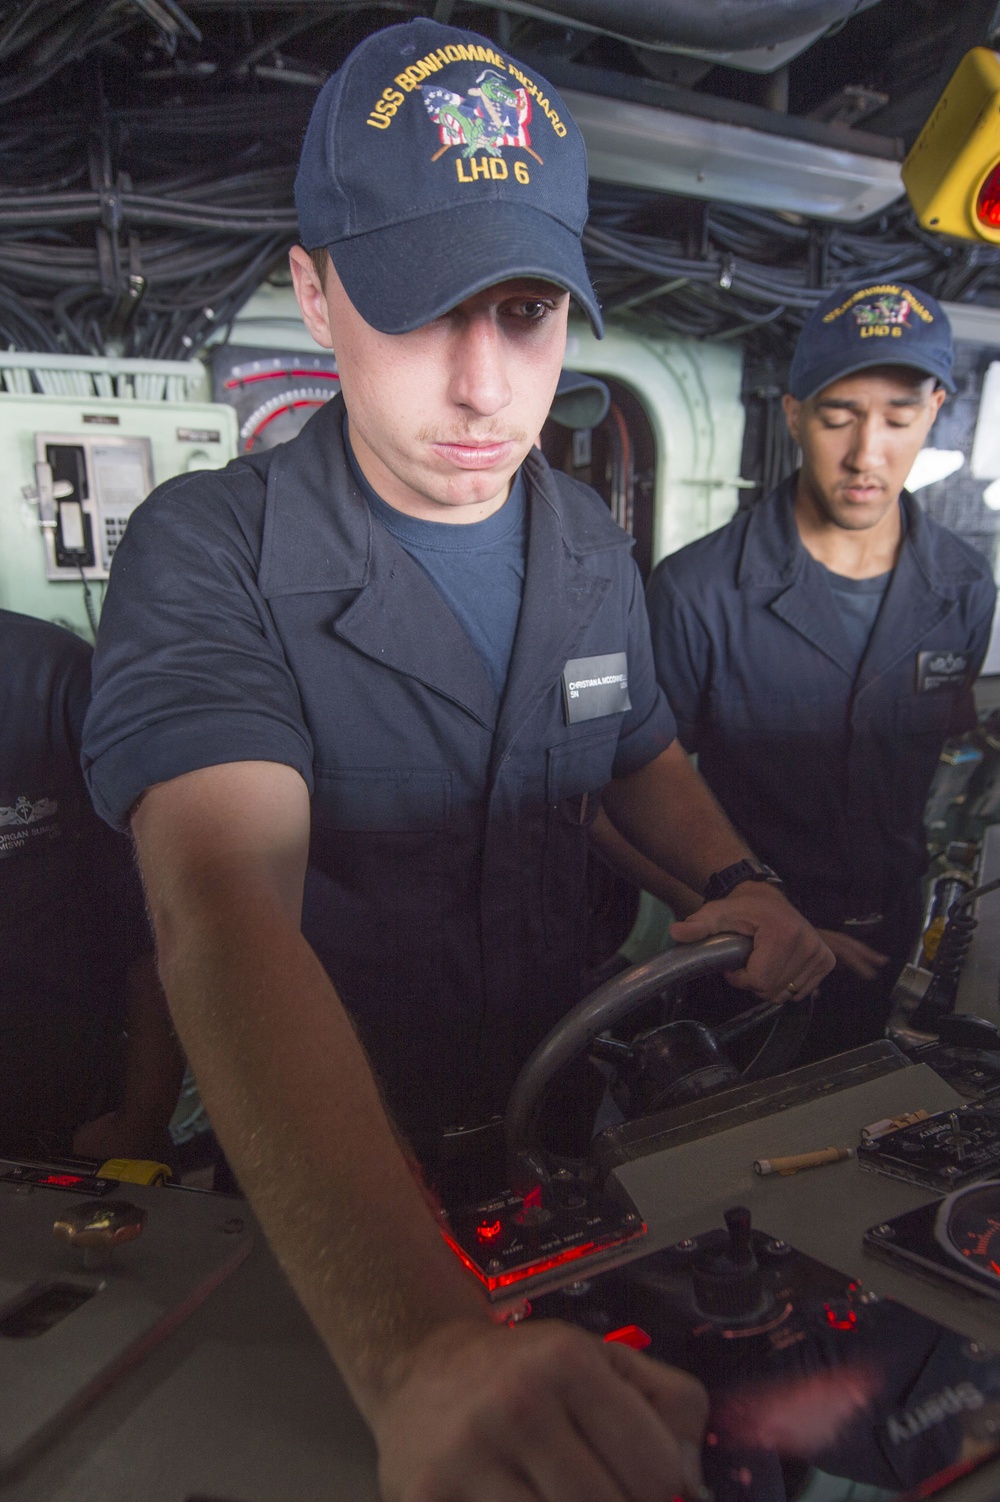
x,y
320,537
923,590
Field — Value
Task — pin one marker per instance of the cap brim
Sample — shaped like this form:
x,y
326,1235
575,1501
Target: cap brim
x,y
405,276
836,371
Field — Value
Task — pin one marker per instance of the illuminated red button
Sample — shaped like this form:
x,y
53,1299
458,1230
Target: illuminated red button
x,y
487,1232
840,1318
630,1335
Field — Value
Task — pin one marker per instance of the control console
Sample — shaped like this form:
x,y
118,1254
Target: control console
x,y
818,1387
91,1279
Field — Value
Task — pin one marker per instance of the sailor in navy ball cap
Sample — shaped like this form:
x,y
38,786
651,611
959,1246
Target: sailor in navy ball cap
x,y
360,697
820,649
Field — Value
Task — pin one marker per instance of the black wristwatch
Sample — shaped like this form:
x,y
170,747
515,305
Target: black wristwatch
x,y
721,883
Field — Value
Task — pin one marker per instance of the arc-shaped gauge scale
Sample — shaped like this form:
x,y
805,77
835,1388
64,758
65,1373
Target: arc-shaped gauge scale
x,y
283,415
967,1228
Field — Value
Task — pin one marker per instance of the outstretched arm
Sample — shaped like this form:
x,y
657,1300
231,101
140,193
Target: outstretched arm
x,y
463,1410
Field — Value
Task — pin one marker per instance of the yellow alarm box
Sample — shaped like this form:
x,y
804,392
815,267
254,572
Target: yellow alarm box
x,y
952,173
135,1171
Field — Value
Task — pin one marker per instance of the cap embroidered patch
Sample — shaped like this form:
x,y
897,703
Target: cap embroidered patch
x,y
492,115
885,323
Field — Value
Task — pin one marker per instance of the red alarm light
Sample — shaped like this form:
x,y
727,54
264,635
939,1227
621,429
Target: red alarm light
x,y
988,201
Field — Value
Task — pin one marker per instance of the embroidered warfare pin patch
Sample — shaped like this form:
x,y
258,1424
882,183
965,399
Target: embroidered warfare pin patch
x,y
941,669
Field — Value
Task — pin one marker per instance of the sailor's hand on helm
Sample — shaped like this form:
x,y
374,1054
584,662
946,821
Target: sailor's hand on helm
x,y
789,956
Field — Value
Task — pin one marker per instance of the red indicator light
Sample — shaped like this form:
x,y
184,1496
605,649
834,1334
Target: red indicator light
x,y
988,202
487,1233
533,1199
838,1322
995,1268
62,1180
629,1335
518,1274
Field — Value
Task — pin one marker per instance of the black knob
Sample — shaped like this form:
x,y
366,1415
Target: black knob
x,y
728,1284
738,1223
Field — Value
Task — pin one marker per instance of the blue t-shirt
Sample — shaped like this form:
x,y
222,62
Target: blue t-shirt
x,y
478,567
858,603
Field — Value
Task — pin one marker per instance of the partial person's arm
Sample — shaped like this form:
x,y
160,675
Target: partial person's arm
x,y
666,811
463,1410
625,860
154,1067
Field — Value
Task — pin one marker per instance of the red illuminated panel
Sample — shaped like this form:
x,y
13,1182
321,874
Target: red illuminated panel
x,y
62,1180
519,1274
836,1321
288,407
487,1232
629,1335
988,202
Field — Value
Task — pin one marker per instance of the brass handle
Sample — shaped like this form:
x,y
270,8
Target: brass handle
x,y
96,1228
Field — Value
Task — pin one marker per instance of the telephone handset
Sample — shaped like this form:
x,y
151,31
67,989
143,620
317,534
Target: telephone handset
x,y
73,536
86,488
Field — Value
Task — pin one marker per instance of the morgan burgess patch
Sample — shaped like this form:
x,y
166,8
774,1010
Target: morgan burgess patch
x,y
26,820
941,669
595,686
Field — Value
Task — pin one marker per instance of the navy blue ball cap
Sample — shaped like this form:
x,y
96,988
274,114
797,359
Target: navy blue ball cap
x,y
435,166
879,323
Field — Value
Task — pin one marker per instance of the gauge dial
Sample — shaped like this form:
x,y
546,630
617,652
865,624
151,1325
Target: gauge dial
x,y
968,1228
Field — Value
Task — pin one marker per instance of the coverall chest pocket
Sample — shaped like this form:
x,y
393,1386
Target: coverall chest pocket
x,y
576,773
928,714
380,848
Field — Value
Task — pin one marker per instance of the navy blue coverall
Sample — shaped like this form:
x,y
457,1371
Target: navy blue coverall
x,y
261,613
824,774
71,912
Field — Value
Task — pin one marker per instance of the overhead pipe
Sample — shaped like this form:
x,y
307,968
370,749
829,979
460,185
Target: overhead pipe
x,y
696,25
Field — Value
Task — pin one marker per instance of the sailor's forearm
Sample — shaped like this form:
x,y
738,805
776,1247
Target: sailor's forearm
x,y
627,861
669,814
293,1100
